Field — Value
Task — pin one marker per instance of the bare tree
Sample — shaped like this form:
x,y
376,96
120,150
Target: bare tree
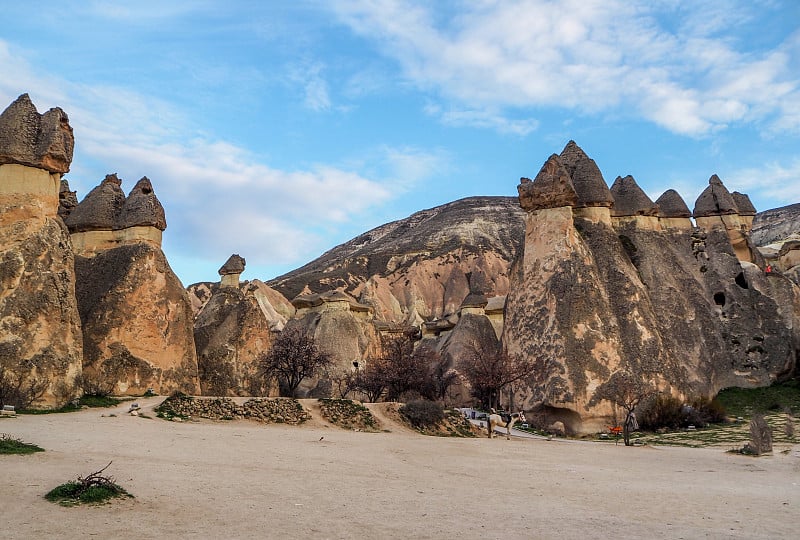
x,y
293,358
626,390
372,380
18,387
490,372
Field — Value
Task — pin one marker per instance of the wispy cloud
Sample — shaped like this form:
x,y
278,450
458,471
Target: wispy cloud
x,y
219,196
775,180
589,56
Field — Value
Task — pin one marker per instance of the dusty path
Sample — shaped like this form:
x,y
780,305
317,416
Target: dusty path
x,y
246,480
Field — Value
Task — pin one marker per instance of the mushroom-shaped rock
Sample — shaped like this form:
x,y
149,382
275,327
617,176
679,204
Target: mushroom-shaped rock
x,y
630,200
552,187
672,205
589,183
67,200
306,301
715,200
100,209
474,300
743,204
34,140
142,208
234,265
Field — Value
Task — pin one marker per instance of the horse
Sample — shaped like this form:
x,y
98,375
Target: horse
x,y
507,420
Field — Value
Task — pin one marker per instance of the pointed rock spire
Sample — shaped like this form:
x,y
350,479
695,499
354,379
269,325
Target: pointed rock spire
x,y
630,200
98,211
142,208
589,183
67,199
34,140
672,205
552,187
743,204
715,200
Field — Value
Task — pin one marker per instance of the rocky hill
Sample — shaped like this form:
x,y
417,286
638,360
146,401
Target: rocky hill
x,y
776,225
421,267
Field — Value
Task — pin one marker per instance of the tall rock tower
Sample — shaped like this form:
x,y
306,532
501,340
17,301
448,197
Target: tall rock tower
x,y
610,287
136,314
40,333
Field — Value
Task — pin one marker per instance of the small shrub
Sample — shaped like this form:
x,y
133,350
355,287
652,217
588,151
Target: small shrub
x,y
91,489
12,445
98,401
788,428
660,411
422,413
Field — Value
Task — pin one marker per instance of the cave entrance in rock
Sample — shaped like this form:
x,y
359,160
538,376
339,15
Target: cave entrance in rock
x,y
719,299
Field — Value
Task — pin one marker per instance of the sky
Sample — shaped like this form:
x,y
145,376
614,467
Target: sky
x,y
278,130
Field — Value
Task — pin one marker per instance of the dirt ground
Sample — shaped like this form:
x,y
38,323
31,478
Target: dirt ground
x,y
240,479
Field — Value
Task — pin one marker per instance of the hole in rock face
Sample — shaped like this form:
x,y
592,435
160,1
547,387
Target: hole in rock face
x,y
147,191
719,298
741,281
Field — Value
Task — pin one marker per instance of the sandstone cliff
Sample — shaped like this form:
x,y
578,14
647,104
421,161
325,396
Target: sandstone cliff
x,y
40,334
601,290
136,315
422,267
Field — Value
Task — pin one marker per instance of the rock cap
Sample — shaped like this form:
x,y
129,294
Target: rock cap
x,y
589,183
44,141
67,199
672,205
478,300
630,200
743,204
234,265
100,209
142,208
715,200
552,187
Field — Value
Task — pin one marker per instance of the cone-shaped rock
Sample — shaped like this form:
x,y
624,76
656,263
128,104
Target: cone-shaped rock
x,y
589,184
142,208
41,141
672,205
67,200
234,265
552,187
744,204
715,200
630,200
99,210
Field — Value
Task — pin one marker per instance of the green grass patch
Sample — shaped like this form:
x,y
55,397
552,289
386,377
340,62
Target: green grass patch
x,y
776,398
94,488
99,401
12,445
74,492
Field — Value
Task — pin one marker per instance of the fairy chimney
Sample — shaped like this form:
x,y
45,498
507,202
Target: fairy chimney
x,y
231,270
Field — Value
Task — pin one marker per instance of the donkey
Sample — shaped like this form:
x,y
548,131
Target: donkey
x,y
507,420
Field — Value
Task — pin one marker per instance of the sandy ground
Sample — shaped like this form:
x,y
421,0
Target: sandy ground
x,y
246,480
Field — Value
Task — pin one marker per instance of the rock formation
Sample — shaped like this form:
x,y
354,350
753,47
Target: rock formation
x,y
234,327
420,268
618,291
40,334
136,315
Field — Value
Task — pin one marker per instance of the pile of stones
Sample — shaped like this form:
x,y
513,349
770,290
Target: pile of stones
x,y
267,410
348,414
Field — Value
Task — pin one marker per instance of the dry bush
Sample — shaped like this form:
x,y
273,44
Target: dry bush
x,y
760,436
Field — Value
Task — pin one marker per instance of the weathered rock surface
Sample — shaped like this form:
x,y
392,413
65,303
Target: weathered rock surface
x,y
142,208
630,200
422,267
672,205
776,225
100,209
231,331
137,322
674,307
40,335
43,141
234,265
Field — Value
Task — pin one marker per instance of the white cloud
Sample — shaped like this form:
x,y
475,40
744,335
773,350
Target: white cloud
x,y
776,181
483,118
590,56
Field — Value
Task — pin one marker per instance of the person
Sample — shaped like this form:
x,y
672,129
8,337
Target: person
x,y
769,269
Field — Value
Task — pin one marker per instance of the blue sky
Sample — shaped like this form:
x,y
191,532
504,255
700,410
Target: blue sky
x,y
278,130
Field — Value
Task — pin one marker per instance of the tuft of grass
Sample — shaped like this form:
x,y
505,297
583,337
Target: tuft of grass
x,y
72,493
94,488
12,445
97,401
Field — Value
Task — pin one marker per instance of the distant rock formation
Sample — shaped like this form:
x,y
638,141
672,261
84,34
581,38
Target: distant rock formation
x,y
231,271
136,315
628,289
422,267
233,328
40,334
